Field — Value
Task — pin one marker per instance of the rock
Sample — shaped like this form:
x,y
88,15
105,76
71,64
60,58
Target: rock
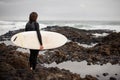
x,y
14,66
2,48
77,35
9,34
113,78
107,50
6,70
60,55
89,77
105,74
111,44
97,75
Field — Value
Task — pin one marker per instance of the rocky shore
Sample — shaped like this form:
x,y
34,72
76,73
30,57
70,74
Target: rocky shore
x,y
14,66
107,50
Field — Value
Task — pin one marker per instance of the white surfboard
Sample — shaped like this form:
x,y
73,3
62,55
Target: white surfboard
x,y
29,40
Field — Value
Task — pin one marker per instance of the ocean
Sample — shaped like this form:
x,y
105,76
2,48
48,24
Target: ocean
x,y
6,26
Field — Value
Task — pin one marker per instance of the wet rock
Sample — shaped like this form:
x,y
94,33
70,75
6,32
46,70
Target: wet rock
x,y
116,74
77,35
11,61
60,55
56,74
25,74
6,71
2,48
107,50
113,78
110,44
14,66
9,34
89,77
105,74
99,54
74,52
97,75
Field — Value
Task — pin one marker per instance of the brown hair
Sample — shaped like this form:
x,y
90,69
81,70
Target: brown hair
x,y
33,17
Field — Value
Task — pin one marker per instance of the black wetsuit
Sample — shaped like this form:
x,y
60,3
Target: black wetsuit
x,y
33,26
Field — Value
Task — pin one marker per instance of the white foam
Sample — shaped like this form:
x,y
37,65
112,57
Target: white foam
x,y
100,35
88,25
6,23
103,27
86,45
6,26
42,26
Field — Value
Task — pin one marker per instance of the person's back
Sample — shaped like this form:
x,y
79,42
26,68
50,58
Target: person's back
x,y
32,25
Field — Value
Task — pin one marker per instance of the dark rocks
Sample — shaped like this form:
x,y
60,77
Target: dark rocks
x,y
116,74
2,48
6,69
89,77
78,35
97,75
9,34
107,50
105,74
14,66
113,78
111,44
10,62
57,74
72,51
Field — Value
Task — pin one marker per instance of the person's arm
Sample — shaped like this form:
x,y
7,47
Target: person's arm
x,y
38,33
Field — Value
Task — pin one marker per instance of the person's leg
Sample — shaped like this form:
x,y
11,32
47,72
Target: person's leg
x,y
33,58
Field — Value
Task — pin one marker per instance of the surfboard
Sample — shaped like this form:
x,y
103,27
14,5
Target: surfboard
x,y
29,39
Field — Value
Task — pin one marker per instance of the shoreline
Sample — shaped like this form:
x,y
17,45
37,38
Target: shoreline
x,y
105,51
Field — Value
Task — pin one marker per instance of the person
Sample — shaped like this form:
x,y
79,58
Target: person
x,y
32,25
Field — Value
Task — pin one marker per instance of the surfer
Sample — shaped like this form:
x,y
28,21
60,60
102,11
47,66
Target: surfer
x,y
33,25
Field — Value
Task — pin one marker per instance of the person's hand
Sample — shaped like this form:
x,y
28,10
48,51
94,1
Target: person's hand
x,y
41,47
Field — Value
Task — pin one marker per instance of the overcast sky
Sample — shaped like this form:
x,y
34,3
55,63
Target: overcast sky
x,y
61,9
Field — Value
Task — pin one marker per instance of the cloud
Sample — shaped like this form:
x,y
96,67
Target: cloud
x,y
61,9
10,1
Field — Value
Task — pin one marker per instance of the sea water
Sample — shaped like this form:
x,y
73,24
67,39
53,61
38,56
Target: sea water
x,y
95,70
6,26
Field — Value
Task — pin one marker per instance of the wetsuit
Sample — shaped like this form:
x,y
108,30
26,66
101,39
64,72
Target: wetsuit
x,y
33,26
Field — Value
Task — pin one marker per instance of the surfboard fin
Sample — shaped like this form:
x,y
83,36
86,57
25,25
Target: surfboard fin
x,y
15,38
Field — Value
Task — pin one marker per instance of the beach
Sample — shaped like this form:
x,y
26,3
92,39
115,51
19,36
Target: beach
x,y
91,53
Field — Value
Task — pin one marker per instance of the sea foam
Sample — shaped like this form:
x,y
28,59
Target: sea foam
x,y
6,26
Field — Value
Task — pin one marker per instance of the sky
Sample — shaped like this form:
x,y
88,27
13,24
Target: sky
x,y
60,9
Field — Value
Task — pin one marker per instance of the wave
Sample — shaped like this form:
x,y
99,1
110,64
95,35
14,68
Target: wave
x,y
6,26
115,26
6,23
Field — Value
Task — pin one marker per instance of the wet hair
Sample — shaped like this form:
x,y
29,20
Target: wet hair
x,y
33,17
